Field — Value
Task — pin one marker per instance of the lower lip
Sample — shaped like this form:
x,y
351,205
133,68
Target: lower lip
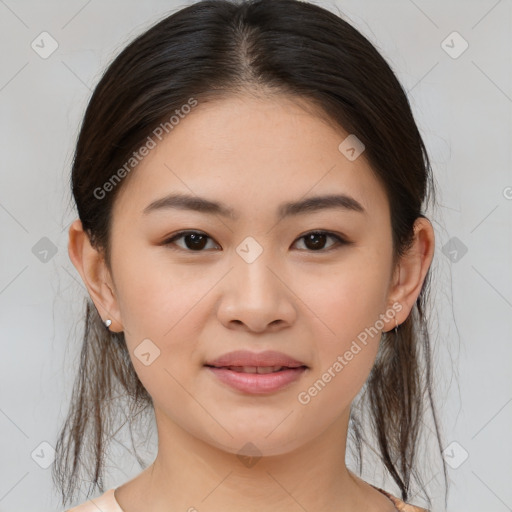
x,y
258,383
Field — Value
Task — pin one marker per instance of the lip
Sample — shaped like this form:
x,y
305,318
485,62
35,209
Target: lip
x,y
256,383
247,358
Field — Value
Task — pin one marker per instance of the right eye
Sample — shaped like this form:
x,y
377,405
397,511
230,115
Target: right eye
x,y
193,240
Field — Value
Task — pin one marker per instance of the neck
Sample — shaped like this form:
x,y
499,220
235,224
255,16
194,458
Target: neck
x,y
191,475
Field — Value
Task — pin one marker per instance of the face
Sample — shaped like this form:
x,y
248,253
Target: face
x,y
310,283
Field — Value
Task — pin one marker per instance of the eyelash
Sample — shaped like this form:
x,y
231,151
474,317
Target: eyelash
x,y
340,241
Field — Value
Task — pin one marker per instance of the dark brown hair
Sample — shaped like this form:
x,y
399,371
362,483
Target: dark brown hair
x,y
220,48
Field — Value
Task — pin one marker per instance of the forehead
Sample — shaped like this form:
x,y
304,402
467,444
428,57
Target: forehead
x,y
251,154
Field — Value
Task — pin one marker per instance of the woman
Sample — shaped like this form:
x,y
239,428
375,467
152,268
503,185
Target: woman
x,y
250,185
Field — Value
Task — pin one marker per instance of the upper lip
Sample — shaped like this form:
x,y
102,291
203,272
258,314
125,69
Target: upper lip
x,y
247,358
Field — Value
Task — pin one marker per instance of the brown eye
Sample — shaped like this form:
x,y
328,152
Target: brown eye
x,y
193,240
316,240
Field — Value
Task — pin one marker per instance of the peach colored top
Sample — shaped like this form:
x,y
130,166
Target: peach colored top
x,y
107,503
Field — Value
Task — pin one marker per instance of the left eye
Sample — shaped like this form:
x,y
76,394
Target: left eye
x,y
314,241
194,240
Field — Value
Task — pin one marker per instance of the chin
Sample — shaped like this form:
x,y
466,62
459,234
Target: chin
x,y
251,444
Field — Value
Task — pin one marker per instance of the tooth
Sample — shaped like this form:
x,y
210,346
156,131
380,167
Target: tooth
x,y
243,369
255,369
268,369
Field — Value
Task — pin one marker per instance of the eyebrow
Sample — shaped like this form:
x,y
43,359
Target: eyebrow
x,y
203,205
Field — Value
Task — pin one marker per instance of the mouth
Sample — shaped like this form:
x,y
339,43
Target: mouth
x,y
256,369
252,362
256,373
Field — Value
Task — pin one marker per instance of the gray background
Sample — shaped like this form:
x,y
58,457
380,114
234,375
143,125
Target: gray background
x,y
463,106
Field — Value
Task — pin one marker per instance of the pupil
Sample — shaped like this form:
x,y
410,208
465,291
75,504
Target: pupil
x,y
312,237
198,241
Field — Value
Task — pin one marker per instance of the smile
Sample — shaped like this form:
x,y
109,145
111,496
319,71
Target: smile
x,y
255,369
257,379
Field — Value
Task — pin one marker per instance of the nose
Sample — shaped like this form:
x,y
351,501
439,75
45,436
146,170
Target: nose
x,y
257,297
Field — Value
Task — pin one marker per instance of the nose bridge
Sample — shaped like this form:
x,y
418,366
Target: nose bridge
x,y
253,294
252,261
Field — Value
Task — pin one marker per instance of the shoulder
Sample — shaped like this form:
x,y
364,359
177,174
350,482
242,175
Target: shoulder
x,y
106,503
400,505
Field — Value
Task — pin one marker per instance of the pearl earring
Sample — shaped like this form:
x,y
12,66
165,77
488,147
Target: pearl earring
x,y
108,323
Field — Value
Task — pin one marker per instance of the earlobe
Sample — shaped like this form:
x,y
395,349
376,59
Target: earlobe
x,y
412,270
94,272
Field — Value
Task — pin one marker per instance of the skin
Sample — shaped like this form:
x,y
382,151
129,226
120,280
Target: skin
x,y
251,154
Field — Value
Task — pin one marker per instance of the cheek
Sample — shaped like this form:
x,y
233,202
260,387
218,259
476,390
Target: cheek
x,y
345,299
346,343
331,390
346,305
169,309
155,298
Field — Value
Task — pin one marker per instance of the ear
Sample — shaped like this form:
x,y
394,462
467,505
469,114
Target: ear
x,y
411,271
95,275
